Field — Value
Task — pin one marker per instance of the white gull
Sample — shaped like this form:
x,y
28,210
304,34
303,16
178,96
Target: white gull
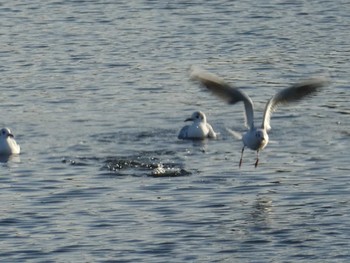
x,y
8,145
256,138
200,129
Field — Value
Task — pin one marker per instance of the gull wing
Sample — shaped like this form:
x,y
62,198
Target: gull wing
x,y
227,93
183,134
289,95
212,133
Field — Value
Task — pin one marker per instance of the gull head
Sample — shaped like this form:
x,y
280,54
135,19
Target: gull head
x,y
6,133
197,116
262,138
255,139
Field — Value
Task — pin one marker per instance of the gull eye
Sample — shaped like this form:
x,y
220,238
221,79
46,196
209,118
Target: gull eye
x,y
3,132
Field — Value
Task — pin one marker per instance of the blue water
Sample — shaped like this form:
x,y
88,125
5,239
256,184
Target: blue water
x,y
96,92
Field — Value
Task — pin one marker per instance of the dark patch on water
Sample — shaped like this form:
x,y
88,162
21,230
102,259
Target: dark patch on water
x,y
140,166
81,161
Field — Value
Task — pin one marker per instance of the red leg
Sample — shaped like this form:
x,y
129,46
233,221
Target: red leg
x,y
240,161
257,158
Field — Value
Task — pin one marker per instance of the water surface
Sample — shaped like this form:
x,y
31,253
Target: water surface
x,y
96,92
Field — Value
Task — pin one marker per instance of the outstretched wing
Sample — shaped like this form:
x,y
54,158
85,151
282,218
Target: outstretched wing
x,y
227,93
292,94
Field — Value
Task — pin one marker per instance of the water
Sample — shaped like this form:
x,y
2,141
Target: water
x,y
96,92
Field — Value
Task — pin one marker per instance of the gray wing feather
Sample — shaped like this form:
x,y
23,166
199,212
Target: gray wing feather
x,y
289,95
227,93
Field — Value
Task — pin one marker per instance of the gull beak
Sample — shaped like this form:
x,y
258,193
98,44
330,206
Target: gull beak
x,y
189,119
10,135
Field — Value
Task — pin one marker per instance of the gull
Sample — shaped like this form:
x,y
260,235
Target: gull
x,y
256,138
199,129
8,145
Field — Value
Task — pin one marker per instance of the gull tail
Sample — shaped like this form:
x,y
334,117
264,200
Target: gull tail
x,y
235,134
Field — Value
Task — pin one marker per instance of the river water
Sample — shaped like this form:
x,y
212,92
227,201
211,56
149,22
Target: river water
x,y
96,92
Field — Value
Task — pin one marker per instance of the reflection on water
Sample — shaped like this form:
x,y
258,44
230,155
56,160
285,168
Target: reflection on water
x,y
261,209
14,158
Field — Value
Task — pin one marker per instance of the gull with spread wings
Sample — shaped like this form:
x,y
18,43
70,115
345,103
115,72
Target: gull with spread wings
x,y
256,138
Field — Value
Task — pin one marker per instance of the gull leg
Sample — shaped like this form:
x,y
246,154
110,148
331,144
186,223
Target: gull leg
x,y
257,158
240,161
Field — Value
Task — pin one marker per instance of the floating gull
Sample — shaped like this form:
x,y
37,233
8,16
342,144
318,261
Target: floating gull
x,y
199,129
8,145
256,138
